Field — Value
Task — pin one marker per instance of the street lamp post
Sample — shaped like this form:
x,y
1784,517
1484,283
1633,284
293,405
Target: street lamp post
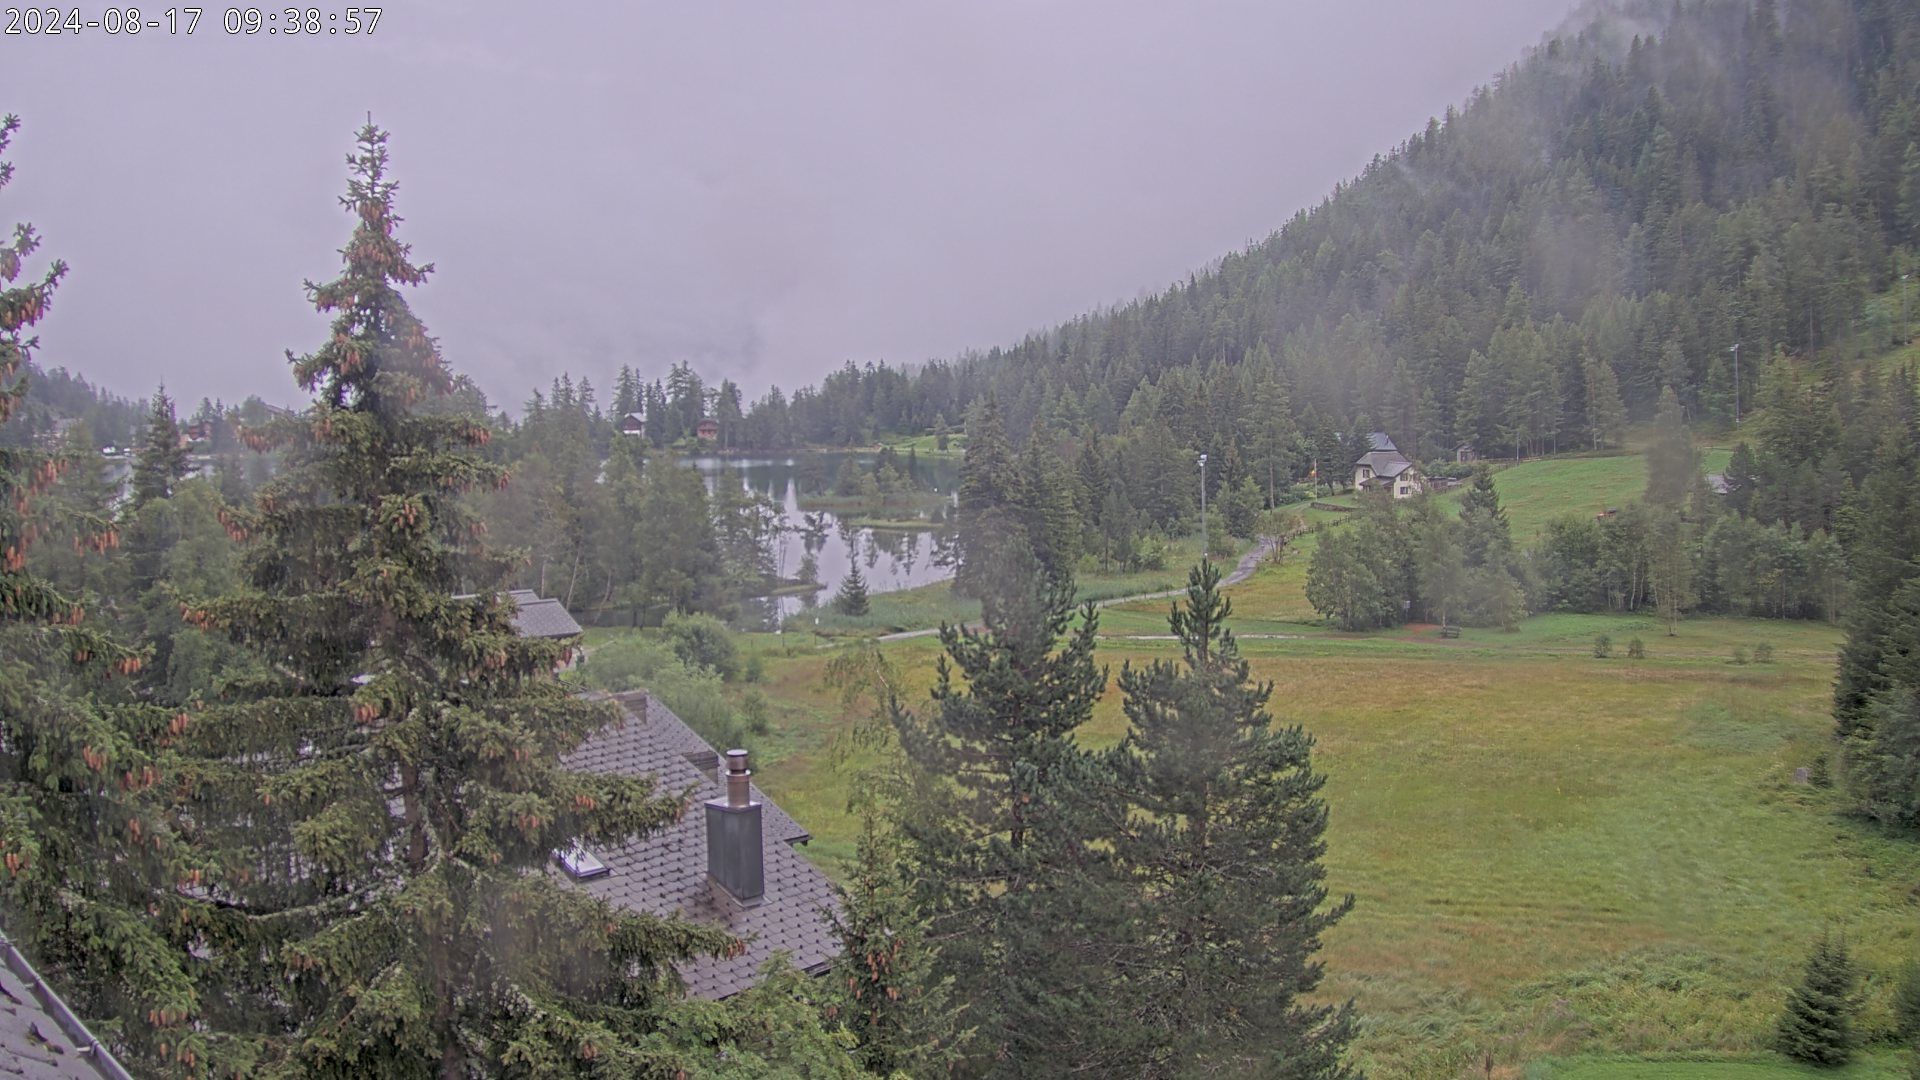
x,y
1736,384
1203,506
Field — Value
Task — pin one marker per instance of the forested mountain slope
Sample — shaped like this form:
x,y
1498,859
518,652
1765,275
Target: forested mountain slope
x,y
1650,187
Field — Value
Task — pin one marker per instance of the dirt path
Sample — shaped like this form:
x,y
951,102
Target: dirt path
x,y
1241,571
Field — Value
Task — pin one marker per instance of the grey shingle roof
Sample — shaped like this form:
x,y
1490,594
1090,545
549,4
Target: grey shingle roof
x,y
1379,441
537,618
667,871
1386,463
40,1038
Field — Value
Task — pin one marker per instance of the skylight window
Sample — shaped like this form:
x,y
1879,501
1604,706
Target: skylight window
x,y
580,863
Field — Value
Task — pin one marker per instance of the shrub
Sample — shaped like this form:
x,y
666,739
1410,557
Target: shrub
x,y
753,713
1740,654
1602,646
703,641
695,694
1763,653
1150,555
1219,541
1817,1026
1636,649
1820,773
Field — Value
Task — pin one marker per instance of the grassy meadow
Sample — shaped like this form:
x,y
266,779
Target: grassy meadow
x,y
1564,867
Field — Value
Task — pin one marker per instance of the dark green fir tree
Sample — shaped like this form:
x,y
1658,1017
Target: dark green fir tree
x,y
884,985
1001,814
160,461
371,822
852,597
1226,857
986,510
1817,1026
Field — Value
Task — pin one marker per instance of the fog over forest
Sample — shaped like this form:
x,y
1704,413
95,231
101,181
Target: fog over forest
x,y
763,193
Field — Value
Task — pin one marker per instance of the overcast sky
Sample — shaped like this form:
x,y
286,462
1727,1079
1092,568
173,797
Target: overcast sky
x,y
765,189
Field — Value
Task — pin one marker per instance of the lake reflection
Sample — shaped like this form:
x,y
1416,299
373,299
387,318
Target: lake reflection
x,y
889,558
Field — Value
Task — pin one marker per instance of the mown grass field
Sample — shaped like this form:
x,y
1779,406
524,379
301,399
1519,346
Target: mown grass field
x,y
1536,492
1565,868
1874,1067
1550,853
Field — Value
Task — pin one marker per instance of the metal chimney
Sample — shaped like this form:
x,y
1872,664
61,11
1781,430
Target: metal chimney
x,y
735,858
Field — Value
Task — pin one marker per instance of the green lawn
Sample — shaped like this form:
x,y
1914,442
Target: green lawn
x,y
1551,854
1888,1067
1536,492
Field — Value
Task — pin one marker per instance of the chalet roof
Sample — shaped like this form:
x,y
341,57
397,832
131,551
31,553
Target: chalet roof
x,y
1379,441
40,1037
666,872
1386,463
633,421
538,617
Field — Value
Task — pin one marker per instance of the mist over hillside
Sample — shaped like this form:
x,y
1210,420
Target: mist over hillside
x,y
1652,186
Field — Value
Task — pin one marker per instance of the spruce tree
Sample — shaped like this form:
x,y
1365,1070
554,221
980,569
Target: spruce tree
x,y
989,486
1226,859
371,822
1002,815
852,597
160,461
88,867
1817,1026
884,984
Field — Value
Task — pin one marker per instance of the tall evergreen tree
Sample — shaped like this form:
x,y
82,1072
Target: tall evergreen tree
x,y
1226,860
1001,811
903,1015
989,487
161,459
371,822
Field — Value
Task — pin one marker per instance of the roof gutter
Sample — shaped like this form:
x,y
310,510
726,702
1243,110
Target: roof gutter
x,y
70,1025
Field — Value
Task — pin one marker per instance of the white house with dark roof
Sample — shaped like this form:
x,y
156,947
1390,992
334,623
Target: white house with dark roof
x,y
732,862
1385,468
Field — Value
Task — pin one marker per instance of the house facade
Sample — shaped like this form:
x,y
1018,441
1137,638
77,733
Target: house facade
x,y
1384,468
708,430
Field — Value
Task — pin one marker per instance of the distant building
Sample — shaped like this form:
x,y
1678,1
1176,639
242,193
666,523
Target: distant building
x,y
708,430
633,424
730,863
1385,468
1717,483
1465,454
536,616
